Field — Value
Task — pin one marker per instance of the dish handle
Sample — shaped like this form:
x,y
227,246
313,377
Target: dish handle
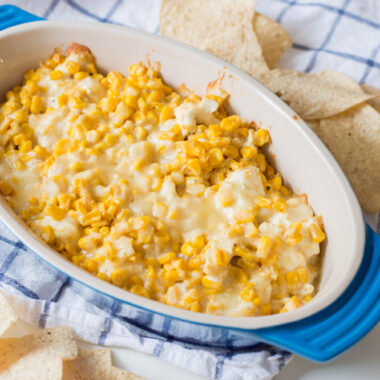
x,y
12,16
333,330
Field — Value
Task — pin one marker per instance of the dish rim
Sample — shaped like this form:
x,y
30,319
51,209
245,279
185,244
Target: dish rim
x,y
243,323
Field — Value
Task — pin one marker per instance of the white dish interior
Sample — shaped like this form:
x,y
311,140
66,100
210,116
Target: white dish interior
x,y
299,155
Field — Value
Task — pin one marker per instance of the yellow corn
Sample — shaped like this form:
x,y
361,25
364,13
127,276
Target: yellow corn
x,y
118,277
316,233
302,275
208,283
222,258
25,146
167,258
248,293
293,234
264,247
188,249
47,234
229,124
79,76
263,202
5,188
36,104
166,114
215,157
72,67
261,137
292,278
56,74
139,291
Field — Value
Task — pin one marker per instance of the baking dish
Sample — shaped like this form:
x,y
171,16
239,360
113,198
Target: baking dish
x,y
344,308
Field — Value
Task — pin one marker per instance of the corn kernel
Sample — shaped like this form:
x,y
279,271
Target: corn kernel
x,y
32,87
25,146
248,293
292,278
36,104
56,74
229,124
118,277
188,249
62,100
222,258
131,101
293,234
263,202
245,253
139,291
261,162
167,258
55,212
240,275
47,234
261,137
151,273
208,283
166,114
80,75
302,275
264,247
279,205
248,152
316,233
5,188
72,67
276,183
266,309
195,166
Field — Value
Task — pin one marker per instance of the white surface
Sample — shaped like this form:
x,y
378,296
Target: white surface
x,y
297,152
360,362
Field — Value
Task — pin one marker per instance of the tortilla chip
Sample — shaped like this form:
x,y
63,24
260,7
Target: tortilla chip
x,y
95,365
7,316
272,37
37,356
221,27
315,96
353,137
375,102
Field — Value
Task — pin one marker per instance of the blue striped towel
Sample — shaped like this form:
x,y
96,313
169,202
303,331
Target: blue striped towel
x,y
326,36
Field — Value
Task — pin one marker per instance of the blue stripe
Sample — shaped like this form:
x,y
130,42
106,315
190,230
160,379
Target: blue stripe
x,y
369,66
17,244
219,367
340,54
327,39
84,11
107,328
9,260
44,315
337,10
158,348
112,10
108,323
19,287
50,9
284,11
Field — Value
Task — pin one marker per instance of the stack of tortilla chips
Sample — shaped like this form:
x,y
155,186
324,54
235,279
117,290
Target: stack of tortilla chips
x,y
343,114
52,354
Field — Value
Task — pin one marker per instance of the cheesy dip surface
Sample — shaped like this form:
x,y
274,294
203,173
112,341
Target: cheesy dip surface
x,y
156,191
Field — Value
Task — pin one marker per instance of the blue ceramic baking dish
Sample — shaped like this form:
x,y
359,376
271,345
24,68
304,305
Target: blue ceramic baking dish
x,y
347,305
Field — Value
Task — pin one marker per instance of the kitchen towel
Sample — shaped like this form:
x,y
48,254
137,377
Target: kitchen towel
x,y
342,35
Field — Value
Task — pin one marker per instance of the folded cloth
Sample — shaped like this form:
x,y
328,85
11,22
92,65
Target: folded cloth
x,y
326,37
